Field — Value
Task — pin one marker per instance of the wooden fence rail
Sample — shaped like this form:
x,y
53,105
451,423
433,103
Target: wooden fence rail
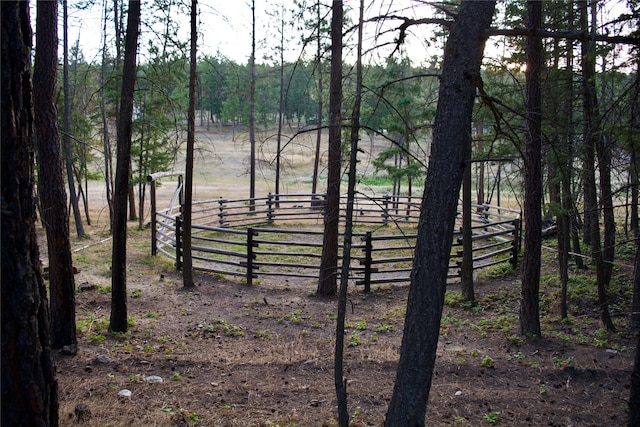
x,y
240,237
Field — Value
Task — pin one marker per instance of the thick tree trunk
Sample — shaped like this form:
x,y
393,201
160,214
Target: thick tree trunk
x,y
53,199
451,139
329,263
530,299
187,208
29,389
118,320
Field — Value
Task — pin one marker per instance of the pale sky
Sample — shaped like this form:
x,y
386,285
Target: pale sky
x,y
225,26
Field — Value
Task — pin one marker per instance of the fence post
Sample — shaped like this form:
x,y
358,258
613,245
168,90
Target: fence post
x,y
250,255
385,210
179,242
516,243
466,268
270,207
368,249
221,212
152,195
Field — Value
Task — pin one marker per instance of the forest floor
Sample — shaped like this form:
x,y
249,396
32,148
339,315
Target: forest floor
x,y
233,355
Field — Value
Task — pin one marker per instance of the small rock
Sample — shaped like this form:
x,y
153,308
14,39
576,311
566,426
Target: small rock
x,y
103,359
153,379
316,402
82,412
124,393
611,351
86,286
458,393
69,350
215,384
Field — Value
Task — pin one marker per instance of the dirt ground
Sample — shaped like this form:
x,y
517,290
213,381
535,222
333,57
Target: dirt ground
x,y
233,355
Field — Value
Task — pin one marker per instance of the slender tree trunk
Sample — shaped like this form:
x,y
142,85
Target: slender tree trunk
x,y
634,167
566,161
480,149
634,398
29,388
106,143
329,262
73,198
118,320
339,379
451,139
530,299
187,259
280,105
252,108
316,160
53,199
591,137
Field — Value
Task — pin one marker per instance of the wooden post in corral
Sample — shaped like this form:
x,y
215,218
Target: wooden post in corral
x,y
466,266
152,195
179,242
517,224
250,255
385,210
154,206
270,209
368,249
221,211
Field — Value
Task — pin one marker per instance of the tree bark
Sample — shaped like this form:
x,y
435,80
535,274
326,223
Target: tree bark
x,y
280,105
106,143
73,197
634,395
118,320
530,299
53,199
339,379
329,262
252,109
187,208
451,139
29,389
591,136
316,161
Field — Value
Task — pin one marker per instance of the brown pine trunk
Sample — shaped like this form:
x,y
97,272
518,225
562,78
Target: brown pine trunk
x,y
592,135
118,320
29,389
53,198
530,299
451,140
252,109
327,284
73,196
187,260
316,160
